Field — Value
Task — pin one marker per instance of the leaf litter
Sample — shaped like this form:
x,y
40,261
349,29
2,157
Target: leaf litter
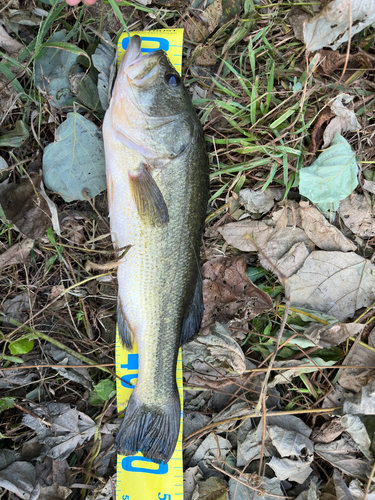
x,y
258,99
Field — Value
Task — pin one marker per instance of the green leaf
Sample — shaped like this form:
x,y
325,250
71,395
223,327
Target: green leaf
x,y
369,422
331,354
255,273
332,177
6,403
16,137
102,392
69,48
13,359
11,78
76,160
21,346
103,58
87,92
55,62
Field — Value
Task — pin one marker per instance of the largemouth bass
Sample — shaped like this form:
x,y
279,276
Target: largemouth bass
x,y
157,179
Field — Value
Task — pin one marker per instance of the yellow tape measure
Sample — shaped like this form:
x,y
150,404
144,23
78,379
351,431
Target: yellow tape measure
x,y
138,478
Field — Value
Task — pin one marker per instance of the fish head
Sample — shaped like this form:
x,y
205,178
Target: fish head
x,y
150,83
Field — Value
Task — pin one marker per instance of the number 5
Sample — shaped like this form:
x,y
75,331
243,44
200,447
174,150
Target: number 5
x,y
166,496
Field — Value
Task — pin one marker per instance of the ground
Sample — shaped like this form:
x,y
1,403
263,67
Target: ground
x,y
286,257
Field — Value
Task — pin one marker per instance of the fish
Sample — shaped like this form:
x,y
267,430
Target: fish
x,y
158,183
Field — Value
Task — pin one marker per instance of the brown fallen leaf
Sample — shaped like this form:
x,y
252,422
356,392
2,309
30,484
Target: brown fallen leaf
x,y
208,57
228,293
336,283
318,130
198,29
287,238
353,379
344,120
8,43
297,16
332,59
213,487
321,232
24,207
332,335
330,27
357,215
216,349
328,432
16,254
17,308
369,186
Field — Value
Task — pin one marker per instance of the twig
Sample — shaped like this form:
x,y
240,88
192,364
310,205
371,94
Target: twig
x,y
259,490
30,367
208,427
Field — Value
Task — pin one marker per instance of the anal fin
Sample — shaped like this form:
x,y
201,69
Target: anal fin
x,y
192,321
125,333
148,198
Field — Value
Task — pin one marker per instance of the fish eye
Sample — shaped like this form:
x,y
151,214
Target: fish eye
x,y
172,79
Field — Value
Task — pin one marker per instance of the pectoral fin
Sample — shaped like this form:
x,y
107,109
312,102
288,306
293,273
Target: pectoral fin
x,y
147,197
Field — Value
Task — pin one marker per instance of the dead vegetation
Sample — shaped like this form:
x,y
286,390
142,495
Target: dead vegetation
x,y
289,127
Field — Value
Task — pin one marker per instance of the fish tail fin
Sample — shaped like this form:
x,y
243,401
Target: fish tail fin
x,y
150,429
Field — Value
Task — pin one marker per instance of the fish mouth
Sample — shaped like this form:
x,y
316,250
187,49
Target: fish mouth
x,y
141,70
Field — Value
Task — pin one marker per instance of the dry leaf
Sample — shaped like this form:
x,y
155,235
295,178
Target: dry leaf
x,y
19,478
297,18
287,238
279,251
25,207
191,475
228,292
217,349
357,215
208,56
321,232
17,308
332,59
198,29
16,254
212,488
212,448
259,202
328,432
330,28
335,283
243,233
286,376
239,490
332,335
318,130
290,262
60,428
344,121
369,186
291,444
8,43
362,403
353,425
343,455
353,379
